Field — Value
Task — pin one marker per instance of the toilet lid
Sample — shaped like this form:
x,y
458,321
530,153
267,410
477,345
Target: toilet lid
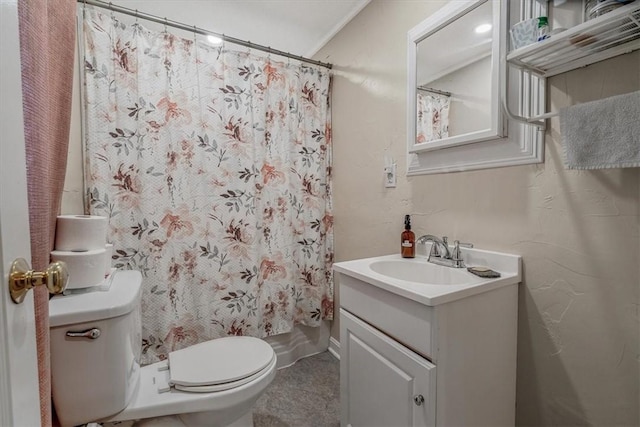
x,y
219,361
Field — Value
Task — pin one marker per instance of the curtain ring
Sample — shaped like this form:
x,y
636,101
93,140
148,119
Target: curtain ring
x,y
136,16
165,24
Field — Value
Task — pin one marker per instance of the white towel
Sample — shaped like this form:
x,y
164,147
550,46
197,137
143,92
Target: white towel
x,y
602,134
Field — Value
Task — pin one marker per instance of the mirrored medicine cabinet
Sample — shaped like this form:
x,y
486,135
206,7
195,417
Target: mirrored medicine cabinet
x,y
457,84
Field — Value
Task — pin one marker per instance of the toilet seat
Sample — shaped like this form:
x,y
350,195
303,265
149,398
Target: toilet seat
x,y
150,401
219,364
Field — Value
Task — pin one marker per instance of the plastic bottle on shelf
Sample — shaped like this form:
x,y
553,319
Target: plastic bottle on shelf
x,y
543,28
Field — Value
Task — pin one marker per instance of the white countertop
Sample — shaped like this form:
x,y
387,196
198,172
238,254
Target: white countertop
x,y
508,265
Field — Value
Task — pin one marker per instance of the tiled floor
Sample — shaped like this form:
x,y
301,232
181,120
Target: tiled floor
x,y
306,394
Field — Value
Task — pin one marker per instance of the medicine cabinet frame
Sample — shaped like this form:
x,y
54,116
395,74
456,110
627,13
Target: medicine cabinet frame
x,y
510,141
438,22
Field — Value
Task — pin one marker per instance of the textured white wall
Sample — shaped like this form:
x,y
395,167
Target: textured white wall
x,y
578,231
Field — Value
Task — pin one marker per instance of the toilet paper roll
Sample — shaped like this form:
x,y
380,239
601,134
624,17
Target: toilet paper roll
x,y
86,269
108,252
80,232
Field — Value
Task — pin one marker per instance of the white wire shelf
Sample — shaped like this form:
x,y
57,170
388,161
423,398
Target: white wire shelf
x,y
606,36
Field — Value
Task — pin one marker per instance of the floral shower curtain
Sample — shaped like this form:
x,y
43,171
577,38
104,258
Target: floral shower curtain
x,y
433,117
213,166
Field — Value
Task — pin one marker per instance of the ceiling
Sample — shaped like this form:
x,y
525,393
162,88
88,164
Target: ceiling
x,y
300,27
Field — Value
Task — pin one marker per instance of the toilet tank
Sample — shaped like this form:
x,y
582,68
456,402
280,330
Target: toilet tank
x,y
94,376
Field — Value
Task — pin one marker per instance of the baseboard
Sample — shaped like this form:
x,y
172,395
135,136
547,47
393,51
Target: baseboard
x,y
302,342
334,347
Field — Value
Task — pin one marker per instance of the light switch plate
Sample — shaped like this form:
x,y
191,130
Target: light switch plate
x,y
390,176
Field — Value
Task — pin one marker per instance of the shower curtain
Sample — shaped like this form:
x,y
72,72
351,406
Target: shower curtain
x,y
433,117
213,166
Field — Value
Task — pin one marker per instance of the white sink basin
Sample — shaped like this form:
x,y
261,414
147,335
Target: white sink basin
x,y
421,271
431,284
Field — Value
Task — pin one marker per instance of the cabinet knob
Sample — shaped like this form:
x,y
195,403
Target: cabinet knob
x,y
418,400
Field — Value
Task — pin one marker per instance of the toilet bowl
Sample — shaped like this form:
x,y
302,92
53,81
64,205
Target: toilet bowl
x,y
96,376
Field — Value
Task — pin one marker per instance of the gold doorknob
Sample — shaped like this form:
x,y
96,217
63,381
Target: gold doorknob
x,y
22,278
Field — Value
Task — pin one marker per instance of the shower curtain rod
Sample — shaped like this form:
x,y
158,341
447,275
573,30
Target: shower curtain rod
x,y
439,92
197,30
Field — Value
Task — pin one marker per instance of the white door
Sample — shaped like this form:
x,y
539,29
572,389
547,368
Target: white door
x,y
19,404
382,383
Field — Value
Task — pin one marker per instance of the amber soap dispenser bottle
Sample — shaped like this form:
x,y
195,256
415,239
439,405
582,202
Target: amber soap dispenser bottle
x,y
408,240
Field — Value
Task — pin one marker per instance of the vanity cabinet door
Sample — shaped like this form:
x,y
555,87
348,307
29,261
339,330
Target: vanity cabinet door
x,y
382,383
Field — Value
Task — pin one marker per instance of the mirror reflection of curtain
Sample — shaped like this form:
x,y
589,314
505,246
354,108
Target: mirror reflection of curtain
x,y
433,117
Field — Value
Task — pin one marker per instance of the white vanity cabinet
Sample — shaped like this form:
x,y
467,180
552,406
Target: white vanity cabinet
x,y
386,383
408,358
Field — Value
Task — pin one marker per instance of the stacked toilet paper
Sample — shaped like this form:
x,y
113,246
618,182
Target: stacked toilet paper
x,y
81,244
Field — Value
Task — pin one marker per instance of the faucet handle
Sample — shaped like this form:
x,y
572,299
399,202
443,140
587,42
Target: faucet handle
x,y
456,248
456,255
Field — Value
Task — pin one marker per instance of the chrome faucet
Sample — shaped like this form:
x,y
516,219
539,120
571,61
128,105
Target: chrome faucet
x,y
439,249
440,253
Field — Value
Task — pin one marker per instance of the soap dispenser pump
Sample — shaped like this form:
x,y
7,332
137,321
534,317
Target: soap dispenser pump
x,y
407,240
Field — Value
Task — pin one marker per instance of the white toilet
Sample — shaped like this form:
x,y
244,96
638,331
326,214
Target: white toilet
x,y
96,376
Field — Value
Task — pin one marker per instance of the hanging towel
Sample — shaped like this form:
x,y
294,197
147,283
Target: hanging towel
x,y
602,134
